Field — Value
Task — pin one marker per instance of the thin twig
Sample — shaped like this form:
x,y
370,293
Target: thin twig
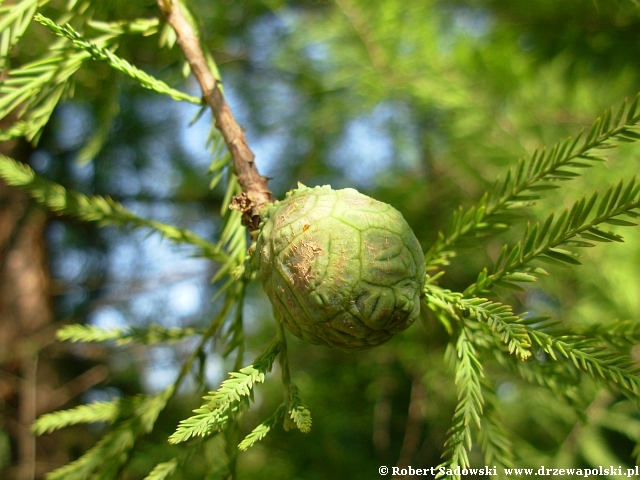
x,y
382,426
254,185
27,415
412,431
374,50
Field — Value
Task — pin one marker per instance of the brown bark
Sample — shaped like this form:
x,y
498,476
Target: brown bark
x,y
24,310
29,380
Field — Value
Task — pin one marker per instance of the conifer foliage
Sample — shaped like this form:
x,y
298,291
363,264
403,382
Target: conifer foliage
x,y
486,333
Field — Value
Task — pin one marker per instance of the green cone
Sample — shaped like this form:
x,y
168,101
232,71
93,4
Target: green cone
x,y
340,268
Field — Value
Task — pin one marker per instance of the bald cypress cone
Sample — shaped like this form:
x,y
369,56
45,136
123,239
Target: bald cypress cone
x,y
340,268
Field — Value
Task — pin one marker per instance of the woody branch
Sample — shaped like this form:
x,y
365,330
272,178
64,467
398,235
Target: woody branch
x,y
254,186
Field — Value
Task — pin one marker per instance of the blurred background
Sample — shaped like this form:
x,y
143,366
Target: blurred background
x,y
421,104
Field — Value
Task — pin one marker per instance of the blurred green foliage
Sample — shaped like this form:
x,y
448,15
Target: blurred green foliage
x,y
419,104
